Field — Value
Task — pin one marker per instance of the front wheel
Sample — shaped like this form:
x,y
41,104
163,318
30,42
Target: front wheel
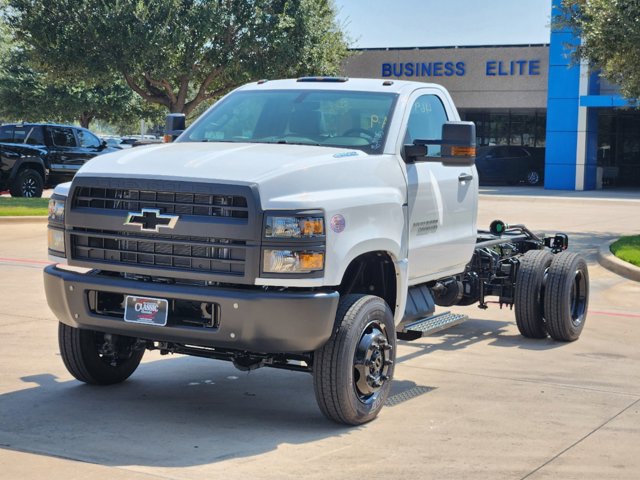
x,y
28,183
352,372
98,358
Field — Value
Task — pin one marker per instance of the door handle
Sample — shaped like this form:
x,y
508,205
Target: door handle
x,y
465,177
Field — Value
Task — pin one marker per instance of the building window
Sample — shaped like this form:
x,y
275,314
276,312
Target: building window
x,y
619,146
508,127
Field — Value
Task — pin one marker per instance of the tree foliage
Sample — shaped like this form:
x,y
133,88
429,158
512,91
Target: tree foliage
x,y
610,38
30,95
180,53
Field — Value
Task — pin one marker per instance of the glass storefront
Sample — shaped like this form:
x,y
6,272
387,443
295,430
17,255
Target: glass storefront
x,y
508,127
619,146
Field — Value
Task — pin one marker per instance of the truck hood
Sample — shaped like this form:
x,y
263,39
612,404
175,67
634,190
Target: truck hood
x,y
287,176
225,162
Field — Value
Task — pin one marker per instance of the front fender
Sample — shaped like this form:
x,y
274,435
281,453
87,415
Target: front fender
x,y
400,263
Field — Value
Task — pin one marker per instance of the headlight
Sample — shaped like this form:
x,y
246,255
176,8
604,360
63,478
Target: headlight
x,y
56,210
291,261
55,234
56,241
294,227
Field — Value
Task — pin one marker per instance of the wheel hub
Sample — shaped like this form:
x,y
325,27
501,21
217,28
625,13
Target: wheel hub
x,y
29,187
371,362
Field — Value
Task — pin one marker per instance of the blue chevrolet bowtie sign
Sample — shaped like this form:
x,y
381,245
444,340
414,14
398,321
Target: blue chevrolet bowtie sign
x,y
493,68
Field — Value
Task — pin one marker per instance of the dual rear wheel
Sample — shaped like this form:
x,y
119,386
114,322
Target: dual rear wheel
x,y
551,295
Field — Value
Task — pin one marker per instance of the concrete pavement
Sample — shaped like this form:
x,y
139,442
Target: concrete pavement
x,y
482,402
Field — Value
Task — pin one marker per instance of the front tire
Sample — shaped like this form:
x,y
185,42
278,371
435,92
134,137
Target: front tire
x,y
352,372
566,296
90,360
28,183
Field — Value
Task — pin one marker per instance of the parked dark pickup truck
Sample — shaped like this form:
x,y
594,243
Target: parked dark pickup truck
x,y
33,155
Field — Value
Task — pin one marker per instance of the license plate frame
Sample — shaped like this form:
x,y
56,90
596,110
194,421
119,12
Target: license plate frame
x,y
146,310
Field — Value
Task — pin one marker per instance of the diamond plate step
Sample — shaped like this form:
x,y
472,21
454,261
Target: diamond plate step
x,y
436,323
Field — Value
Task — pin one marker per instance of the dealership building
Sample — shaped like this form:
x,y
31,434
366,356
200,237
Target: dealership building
x,y
529,95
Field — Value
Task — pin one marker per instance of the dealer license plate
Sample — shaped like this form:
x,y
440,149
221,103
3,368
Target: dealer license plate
x,y
151,311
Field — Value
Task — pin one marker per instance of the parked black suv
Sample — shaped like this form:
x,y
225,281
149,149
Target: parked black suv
x,y
33,155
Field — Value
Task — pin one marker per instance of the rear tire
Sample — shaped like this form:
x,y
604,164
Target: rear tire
x,y
567,296
28,183
529,293
352,372
84,356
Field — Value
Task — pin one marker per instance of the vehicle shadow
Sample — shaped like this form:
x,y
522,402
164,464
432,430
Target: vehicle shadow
x,y
474,331
173,412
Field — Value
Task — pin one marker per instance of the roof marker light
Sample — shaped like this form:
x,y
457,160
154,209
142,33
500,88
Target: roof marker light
x,y
324,79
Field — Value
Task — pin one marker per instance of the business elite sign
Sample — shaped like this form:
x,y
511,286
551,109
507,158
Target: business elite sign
x,y
492,68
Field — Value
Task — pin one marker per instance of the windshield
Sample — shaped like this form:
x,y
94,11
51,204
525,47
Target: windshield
x,y
309,117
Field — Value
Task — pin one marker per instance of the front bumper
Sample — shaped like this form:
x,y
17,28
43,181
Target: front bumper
x,y
250,320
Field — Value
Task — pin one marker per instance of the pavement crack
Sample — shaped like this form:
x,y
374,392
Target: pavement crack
x,y
582,439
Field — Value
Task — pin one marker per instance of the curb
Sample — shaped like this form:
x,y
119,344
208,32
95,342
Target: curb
x,y
609,261
24,219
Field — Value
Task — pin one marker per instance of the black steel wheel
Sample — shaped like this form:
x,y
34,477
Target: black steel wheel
x,y
352,372
529,293
28,183
566,296
533,177
94,358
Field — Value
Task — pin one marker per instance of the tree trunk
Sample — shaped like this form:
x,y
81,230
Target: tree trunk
x,y
85,119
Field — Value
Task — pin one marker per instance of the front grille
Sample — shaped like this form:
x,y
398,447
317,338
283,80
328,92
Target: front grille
x,y
198,204
216,237
170,252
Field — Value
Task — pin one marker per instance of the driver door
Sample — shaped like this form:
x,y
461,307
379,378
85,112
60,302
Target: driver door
x,y
441,199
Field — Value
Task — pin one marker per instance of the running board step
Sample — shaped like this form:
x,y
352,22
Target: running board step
x,y
430,325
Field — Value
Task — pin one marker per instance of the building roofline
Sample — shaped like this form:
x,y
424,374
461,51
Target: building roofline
x,y
448,47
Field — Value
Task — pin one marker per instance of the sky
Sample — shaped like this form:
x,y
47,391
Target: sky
x,y
430,23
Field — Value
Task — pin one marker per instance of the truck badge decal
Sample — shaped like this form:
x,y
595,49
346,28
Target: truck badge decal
x,y
426,227
337,223
151,220
345,154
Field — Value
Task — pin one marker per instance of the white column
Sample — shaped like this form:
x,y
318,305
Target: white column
x,y
581,147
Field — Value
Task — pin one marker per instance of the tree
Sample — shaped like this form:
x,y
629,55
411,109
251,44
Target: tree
x,y
31,95
180,53
610,34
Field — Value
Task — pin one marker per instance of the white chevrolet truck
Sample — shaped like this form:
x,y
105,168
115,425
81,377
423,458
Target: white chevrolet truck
x,y
299,224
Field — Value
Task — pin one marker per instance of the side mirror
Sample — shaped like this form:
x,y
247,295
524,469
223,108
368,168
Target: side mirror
x,y
174,126
103,145
411,153
458,144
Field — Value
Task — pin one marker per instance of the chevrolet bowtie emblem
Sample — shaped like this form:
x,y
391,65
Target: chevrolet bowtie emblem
x,y
150,220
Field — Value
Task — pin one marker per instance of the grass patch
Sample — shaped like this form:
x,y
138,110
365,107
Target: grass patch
x,y
20,207
627,249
